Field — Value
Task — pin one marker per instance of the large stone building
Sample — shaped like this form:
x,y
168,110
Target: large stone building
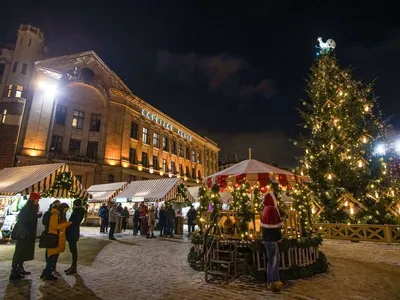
x,y
75,109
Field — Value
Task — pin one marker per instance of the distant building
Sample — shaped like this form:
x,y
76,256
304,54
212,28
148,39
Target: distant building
x,y
230,160
75,109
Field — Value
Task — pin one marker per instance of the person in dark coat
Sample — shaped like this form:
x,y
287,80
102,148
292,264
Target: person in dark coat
x,y
104,215
73,233
136,221
170,218
191,219
25,248
125,217
162,221
119,208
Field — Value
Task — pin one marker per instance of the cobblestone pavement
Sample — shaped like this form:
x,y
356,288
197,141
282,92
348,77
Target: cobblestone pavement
x,y
138,268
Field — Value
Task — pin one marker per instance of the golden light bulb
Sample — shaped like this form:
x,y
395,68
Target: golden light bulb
x,y
366,108
365,140
346,203
330,176
351,211
360,164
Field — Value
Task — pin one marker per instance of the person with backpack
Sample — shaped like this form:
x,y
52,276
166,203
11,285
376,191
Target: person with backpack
x,y
57,226
104,215
46,221
73,233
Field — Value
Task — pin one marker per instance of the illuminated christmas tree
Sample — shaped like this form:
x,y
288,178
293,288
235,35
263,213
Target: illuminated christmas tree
x,y
342,127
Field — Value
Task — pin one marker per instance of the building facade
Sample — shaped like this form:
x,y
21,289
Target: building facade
x,y
75,109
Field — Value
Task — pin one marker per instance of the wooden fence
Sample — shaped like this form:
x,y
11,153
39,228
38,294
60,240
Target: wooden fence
x,y
360,232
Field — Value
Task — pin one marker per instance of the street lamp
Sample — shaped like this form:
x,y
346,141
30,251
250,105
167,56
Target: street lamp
x,y
50,89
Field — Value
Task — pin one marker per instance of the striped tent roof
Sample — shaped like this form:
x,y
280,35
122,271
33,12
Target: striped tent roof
x,y
253,170
36,178
105,192
154,190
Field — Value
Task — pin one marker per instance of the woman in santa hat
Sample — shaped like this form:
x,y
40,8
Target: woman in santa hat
x,y
25,235
271,224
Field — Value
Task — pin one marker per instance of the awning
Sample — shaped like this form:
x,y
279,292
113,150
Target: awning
x,y
194,192
105,192
153,190
36,178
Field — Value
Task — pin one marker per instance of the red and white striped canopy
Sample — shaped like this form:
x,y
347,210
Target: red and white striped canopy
x,y
36,178
253,171
153,190
105,192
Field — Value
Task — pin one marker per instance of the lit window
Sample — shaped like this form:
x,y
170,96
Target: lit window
x,y
145,135
156,140
18,93
77,120
9,91
3,118
165,143
164,165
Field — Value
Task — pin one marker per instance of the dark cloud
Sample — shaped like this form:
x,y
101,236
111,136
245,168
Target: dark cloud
x,y
267,146
227,75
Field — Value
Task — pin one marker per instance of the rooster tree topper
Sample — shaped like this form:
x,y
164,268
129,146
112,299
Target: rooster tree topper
x,y
325,47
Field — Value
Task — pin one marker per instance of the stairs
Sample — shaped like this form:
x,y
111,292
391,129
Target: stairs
x,y
221,261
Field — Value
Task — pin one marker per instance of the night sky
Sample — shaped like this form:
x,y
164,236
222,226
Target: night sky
x,y
232,72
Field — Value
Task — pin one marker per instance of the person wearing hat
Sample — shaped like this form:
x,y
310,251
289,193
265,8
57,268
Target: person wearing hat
x,y
73,233
57,225
25,235
271,224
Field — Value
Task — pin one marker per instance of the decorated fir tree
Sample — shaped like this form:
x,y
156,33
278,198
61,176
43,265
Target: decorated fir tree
x,y
349,182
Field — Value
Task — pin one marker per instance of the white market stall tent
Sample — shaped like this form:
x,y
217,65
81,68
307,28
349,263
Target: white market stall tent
x,y
156,190
17,183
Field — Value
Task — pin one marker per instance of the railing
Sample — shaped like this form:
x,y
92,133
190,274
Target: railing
x,y
362,232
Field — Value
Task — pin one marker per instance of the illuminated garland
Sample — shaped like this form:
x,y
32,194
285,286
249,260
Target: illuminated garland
x,y
64,181
181,194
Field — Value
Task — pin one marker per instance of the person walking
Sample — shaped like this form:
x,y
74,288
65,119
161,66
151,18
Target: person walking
x,y
151,222
125,217
57,226
162,221
113,221
73,233
136,220
271,224
191,219
25,235
170,217
104,215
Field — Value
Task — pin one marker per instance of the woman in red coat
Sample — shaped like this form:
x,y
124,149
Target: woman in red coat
x,y
271,224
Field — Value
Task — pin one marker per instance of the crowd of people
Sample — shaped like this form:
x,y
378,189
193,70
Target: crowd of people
x,y
145,219
56,226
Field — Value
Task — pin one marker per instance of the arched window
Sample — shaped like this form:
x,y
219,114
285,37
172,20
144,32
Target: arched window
x,y
110,178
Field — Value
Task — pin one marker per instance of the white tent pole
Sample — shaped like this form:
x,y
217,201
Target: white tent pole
x,y
249,153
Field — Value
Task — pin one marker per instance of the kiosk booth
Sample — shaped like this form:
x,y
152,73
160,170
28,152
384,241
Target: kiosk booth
x,y
53,181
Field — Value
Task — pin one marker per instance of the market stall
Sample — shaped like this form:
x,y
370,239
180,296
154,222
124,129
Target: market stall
x,y
101,193
52,181
237,231
156,192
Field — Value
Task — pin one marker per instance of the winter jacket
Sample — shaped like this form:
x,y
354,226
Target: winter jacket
x,y
191,216
152,217
56,227
136,215
170,215
104,212
143,210
113,215
25,249
271,221
125,214
73,231
163,217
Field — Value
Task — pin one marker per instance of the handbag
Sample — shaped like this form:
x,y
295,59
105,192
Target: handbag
x,y
19,232
48,240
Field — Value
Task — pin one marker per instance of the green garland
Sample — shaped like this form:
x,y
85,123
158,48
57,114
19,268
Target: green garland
x,y
241,204
64,181
181,194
